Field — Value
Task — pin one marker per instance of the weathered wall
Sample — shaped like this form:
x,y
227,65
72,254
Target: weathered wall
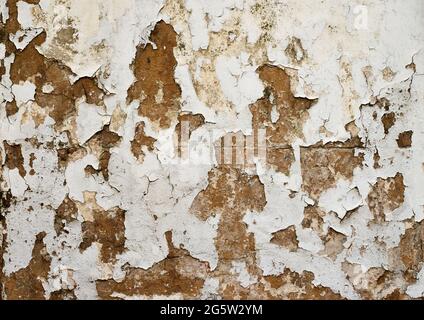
x,y
269,149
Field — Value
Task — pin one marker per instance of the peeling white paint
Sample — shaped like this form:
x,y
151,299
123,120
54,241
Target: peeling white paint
x,y
220,45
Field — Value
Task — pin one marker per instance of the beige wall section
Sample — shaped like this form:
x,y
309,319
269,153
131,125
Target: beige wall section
x,y
211,149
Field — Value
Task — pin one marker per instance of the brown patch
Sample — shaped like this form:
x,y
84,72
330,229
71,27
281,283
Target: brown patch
x,y
2,68
179,273
286,238
11,27
108,229
11,108
155,86
355,140
405,139
89,170
104,164
140,140
322,167
232,290
313,219
281,159
227,186
376,158
233,241
411,248
333,243
278,93
66,35
383,103
386,195
375,283
194,121
388,120
397,294
300,287
26,284
32,157
89,88
102,142
30,65
295,51
231,193
388,74
5,201
412,66
64,155
14,158
66,213
64,294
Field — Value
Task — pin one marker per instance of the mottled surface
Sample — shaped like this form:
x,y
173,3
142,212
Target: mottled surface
x,y
194,149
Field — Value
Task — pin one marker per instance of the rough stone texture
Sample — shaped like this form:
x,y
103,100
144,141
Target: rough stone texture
x,y
229,149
